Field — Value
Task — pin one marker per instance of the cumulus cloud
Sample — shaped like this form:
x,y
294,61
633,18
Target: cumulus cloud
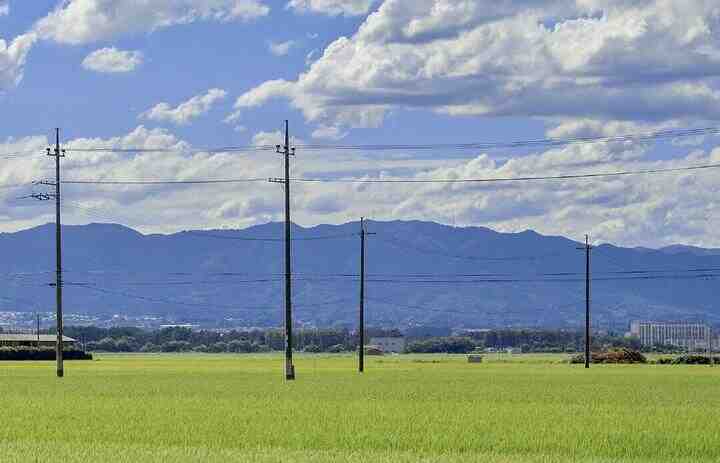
x,y
12,60
281,48
329,133
112,60
86,21
4,8
650,60
332,7
641,210
187,111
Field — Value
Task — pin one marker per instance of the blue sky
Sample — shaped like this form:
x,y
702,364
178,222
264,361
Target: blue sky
x,y
187,60
228,72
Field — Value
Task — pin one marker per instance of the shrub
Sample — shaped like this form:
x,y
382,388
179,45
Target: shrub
x,y
149,347
219,347
372,350
175,346
691,359
312,348
613,356
336,349
41,354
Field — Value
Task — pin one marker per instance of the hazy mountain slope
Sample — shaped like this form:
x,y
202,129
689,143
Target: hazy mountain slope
x,y
418,272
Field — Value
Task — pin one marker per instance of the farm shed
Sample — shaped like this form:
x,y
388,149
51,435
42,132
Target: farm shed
x,y
32,340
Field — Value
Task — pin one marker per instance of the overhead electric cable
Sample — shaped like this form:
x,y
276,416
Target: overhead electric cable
x,y
551,142
241,238
396,180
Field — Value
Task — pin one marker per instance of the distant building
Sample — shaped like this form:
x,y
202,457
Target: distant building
x,y
389,344
32,340
690,336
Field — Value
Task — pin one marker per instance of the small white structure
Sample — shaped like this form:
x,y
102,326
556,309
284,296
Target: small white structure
x,y
388,344
30,340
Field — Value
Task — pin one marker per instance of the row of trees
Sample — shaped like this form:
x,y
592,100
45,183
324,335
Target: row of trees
x,y
178,339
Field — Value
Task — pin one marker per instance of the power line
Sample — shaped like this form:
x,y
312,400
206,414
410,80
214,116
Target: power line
x,y
398,243
202,305
18,154
222,149
273,240
640,137
398,180
546,142
14,185
164,182
515,179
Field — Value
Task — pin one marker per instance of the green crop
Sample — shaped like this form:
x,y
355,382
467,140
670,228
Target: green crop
x,y
208,408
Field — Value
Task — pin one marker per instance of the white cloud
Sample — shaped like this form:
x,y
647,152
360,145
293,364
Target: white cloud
x,y
187,111
638,60
86,21
4,8
640,210
112,60
281,48
332,7
329,133
12,60
310,57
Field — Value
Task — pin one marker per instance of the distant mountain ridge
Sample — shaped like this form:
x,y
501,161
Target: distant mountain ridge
x,y
419,273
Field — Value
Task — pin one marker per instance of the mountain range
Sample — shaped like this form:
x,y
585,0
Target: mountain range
x,y
418,273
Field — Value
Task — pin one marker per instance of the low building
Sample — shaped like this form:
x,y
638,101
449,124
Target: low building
x,y
690,336
32,340
389,344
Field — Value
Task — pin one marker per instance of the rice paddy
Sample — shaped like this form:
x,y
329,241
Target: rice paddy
x,y
403,409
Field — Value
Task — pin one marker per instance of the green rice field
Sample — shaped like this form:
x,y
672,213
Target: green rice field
x,y
213,408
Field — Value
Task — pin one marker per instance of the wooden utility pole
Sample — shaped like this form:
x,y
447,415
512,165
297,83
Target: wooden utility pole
x,y
587,249
58,257
287,151
361,327
57,153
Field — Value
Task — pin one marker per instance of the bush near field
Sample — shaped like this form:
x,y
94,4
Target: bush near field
x,y
690,359
613,356
34,354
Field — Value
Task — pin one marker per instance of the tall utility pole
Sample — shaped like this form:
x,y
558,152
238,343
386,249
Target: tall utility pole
x,y
361,328
287,151
58,256
57,153
587,249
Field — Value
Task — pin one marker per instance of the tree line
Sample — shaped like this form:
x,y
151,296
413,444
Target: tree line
x,y
181,339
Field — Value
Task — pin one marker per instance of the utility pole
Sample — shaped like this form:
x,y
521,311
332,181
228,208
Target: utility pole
x,y
37,316
361,329
587,249
57,153
58,256
287,151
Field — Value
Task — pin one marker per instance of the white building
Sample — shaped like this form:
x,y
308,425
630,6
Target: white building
x,y
690,336
388,344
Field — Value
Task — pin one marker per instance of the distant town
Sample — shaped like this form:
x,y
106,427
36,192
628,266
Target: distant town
x,y
151,333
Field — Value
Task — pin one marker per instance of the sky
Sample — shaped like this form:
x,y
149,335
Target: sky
x,y
184,75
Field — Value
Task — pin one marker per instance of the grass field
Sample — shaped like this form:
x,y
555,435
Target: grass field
x,y
403,409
